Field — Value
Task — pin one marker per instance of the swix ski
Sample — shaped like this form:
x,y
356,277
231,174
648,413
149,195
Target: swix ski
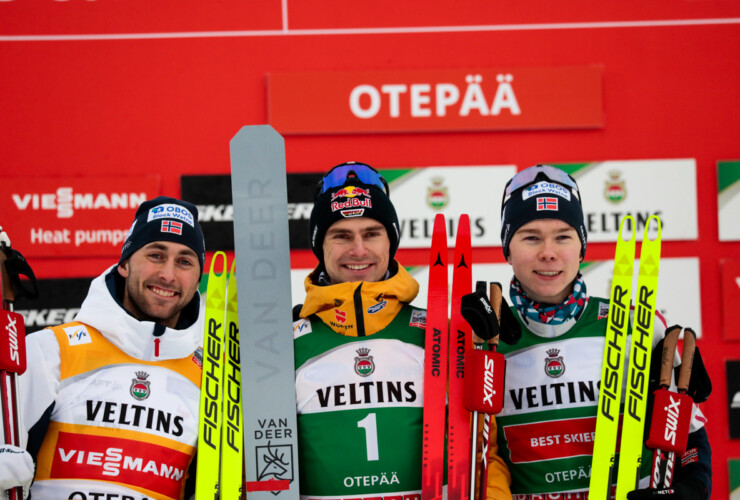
x,y
232,443
458,420
262,249
607,415
210,421
641,348
435,366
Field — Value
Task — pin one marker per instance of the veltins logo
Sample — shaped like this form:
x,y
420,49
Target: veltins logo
x,y
615,190
554,366
364,364
437,196
140,386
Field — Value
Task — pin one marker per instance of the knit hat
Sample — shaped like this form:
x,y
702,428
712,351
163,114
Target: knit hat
x,y
165,219
352,190
541,192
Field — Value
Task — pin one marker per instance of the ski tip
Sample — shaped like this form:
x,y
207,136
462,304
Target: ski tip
x,y
220,255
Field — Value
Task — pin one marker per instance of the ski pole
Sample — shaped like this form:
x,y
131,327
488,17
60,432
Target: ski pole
x,y
672,411
482,397
12,358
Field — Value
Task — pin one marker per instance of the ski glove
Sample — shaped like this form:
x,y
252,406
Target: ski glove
x,y
688,489
16,469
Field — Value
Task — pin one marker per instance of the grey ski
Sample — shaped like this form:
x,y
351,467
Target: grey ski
x,y
262,251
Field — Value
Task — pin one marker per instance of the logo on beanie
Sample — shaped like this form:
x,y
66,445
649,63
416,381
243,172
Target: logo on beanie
x,y
356,212
437,197
356,198
171,226
615,189
171,211
547,204
546,188
350,192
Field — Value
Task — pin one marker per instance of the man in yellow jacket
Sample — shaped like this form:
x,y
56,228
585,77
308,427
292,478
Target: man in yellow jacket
x,y
359,351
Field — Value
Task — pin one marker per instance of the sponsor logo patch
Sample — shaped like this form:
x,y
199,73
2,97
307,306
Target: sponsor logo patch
x,y
603,310
135,464
377,307
77,335
171,211
554,365
418,319
301,327
364,364
358,212
542,188
140,386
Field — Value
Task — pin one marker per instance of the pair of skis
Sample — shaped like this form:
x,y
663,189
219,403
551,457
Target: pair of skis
x,y
445,347
220,439
636,394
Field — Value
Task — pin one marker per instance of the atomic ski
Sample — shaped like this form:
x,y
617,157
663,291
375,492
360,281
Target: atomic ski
x,y
435,366
641,348
262,248
232,443
210,420
610,391
458,423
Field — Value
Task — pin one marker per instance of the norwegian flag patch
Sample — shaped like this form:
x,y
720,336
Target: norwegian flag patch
x,y
171,226
547,203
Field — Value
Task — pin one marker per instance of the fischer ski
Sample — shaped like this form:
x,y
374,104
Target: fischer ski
x,y
262,248
232,444
210,420
610,391
641,348
458,423
435,366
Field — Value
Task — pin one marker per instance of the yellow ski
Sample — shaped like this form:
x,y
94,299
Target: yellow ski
x,y
209,423
641,348
232,445
610,391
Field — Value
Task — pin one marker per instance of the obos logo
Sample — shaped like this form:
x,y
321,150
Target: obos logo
x,y
171,211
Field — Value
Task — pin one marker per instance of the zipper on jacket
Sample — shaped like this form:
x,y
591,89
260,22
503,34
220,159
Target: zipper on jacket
x,y
359,316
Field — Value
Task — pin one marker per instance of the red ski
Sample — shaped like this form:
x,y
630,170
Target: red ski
x,y
458,423
435,366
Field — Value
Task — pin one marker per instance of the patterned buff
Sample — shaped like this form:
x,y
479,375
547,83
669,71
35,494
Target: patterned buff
x,y
551,314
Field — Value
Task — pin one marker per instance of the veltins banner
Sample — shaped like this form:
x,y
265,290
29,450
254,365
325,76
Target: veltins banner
x,y
640,188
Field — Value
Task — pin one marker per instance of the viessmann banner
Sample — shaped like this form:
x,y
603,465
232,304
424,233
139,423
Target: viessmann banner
x,y
441,99
68,217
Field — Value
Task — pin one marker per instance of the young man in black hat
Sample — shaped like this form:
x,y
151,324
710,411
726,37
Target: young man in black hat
x,y
546,428
110,401
359,349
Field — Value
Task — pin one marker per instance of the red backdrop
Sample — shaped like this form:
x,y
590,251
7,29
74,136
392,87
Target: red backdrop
x,y
135,88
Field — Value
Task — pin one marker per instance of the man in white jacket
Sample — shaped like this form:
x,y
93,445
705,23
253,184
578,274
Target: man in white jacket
x,y
109,402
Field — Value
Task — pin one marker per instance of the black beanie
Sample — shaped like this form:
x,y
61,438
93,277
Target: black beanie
x,y
352,199
165,219
543,199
